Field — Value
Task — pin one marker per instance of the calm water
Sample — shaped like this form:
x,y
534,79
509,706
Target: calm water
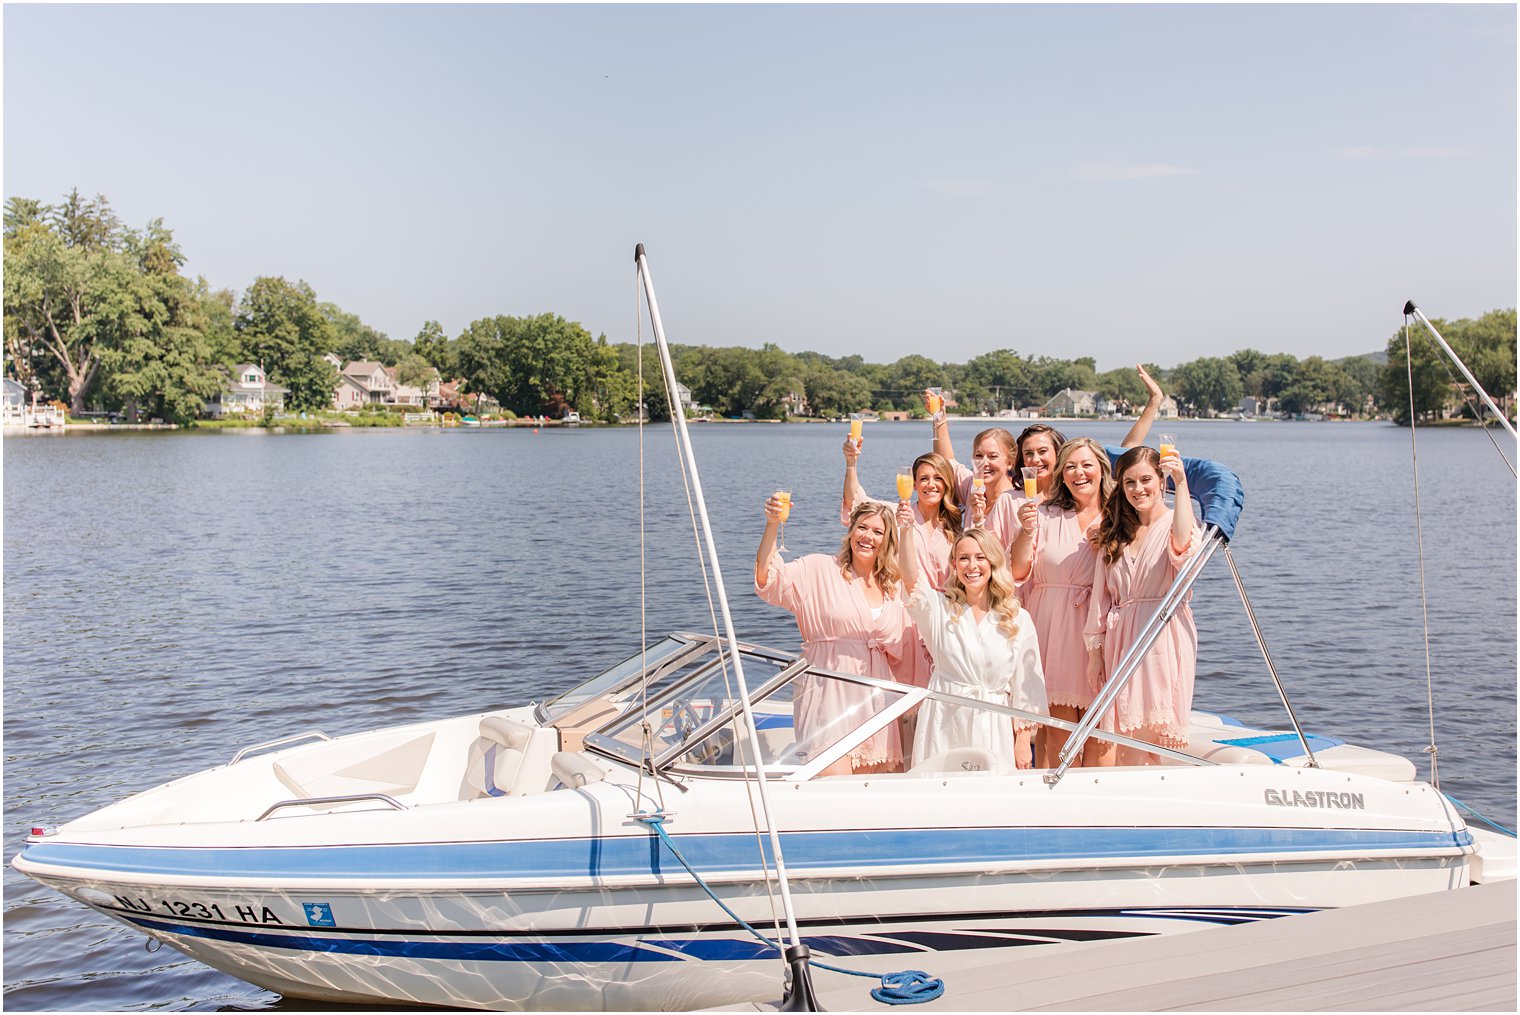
x,y
170,598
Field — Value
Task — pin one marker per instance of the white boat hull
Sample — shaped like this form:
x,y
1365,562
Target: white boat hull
x,y
561,900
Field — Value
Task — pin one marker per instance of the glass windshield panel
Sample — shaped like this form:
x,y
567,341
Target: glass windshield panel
x,y
683,709
610,680
798,722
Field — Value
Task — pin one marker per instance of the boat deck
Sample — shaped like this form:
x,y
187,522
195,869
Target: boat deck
x,y
1449,951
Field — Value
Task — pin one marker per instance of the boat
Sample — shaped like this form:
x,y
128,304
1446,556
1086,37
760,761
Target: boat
x,y
571,418
601,849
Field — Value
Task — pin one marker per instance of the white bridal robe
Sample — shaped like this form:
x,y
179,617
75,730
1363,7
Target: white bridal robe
x,y
973,659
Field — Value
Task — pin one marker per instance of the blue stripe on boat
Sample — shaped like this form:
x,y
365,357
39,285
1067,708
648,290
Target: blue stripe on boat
x,y
472,951
1282,746
713,853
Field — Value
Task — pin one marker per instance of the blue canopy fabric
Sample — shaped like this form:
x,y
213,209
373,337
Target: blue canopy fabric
x,y
1218,498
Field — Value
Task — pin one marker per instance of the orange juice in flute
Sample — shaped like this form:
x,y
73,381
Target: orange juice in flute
x,y
1168,447
785,497
1031,482
904,484
978,487
855,426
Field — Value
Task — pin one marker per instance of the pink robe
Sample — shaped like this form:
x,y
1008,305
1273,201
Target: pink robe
x,y
1159,697
933,556
838,633
1002,514
1056,594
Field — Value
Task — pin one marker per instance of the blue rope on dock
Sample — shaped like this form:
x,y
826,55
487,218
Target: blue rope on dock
x,y
1474,812
911,986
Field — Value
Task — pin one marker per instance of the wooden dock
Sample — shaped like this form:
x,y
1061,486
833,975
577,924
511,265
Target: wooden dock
x,y
1449,951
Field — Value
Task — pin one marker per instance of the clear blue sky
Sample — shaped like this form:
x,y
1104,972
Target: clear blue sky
x,y
1126,182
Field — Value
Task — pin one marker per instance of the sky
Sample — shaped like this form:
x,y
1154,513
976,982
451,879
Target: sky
x,y
1123,182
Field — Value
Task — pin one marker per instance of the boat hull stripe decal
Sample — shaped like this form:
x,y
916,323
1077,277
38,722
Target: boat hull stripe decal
x,y
714,853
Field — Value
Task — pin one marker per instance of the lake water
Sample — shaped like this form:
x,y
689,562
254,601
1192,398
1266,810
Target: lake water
x,y
170,598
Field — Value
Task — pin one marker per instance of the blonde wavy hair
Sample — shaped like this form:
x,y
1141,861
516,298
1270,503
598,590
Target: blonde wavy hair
x,y
949,509
1001,596
884,572
1060,494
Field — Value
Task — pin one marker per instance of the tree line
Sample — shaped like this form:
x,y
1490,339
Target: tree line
x,y
99,314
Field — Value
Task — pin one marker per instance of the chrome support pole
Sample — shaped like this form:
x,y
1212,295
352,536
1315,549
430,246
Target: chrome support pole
x,y
1262,644
722,596
1130,663
1419,315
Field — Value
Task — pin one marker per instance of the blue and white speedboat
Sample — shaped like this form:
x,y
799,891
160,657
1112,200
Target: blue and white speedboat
x,y
505,860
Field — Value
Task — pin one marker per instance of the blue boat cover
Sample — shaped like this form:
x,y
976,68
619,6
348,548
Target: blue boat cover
x,y
1217,495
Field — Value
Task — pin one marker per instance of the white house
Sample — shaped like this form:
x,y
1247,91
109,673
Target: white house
x,y
1071,402
1168,408
15,403
370,382
249,391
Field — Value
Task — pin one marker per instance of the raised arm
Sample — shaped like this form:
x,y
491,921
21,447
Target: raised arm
x,y
907,549
767,540
1182,511
854,493
1142,427
1021,553
941,433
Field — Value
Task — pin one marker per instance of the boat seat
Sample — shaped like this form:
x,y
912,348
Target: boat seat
x,y
960,759
575,769
496,763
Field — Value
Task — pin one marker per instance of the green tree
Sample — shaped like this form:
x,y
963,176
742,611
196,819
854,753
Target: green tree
x,y
434,346
834,392
1430,378
1208,384
533,365
903,382
1049,376
414,371
993,380
284,330
68,289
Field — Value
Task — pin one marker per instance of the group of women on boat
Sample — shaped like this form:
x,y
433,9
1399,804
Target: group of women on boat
x,y
1022,595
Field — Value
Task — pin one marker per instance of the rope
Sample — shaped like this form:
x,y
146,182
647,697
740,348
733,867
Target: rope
x,y
1419,542
1474,812
910,986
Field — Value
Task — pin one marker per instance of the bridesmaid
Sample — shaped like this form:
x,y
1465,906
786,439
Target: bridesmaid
x,y
851,619
937,523
1052,559
984,647
1141,544
993,454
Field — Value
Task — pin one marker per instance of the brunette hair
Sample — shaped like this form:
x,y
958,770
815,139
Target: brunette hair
x,y
949,510
885,569
1001,595
1120,519
1060,495
1034,429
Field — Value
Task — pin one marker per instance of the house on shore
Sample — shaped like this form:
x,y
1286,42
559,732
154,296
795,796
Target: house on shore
x,y
15,403
1071,402
247,392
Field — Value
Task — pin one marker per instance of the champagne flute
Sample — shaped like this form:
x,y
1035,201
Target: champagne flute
x,y
1168,446
978,486
785,497
904,484
1031,481
855,426
936,405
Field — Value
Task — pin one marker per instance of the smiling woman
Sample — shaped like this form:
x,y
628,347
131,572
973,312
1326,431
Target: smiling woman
x,y
851,620
1142,544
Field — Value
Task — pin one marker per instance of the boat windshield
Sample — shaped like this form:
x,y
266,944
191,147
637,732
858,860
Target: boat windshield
x,y
685,712
663,659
